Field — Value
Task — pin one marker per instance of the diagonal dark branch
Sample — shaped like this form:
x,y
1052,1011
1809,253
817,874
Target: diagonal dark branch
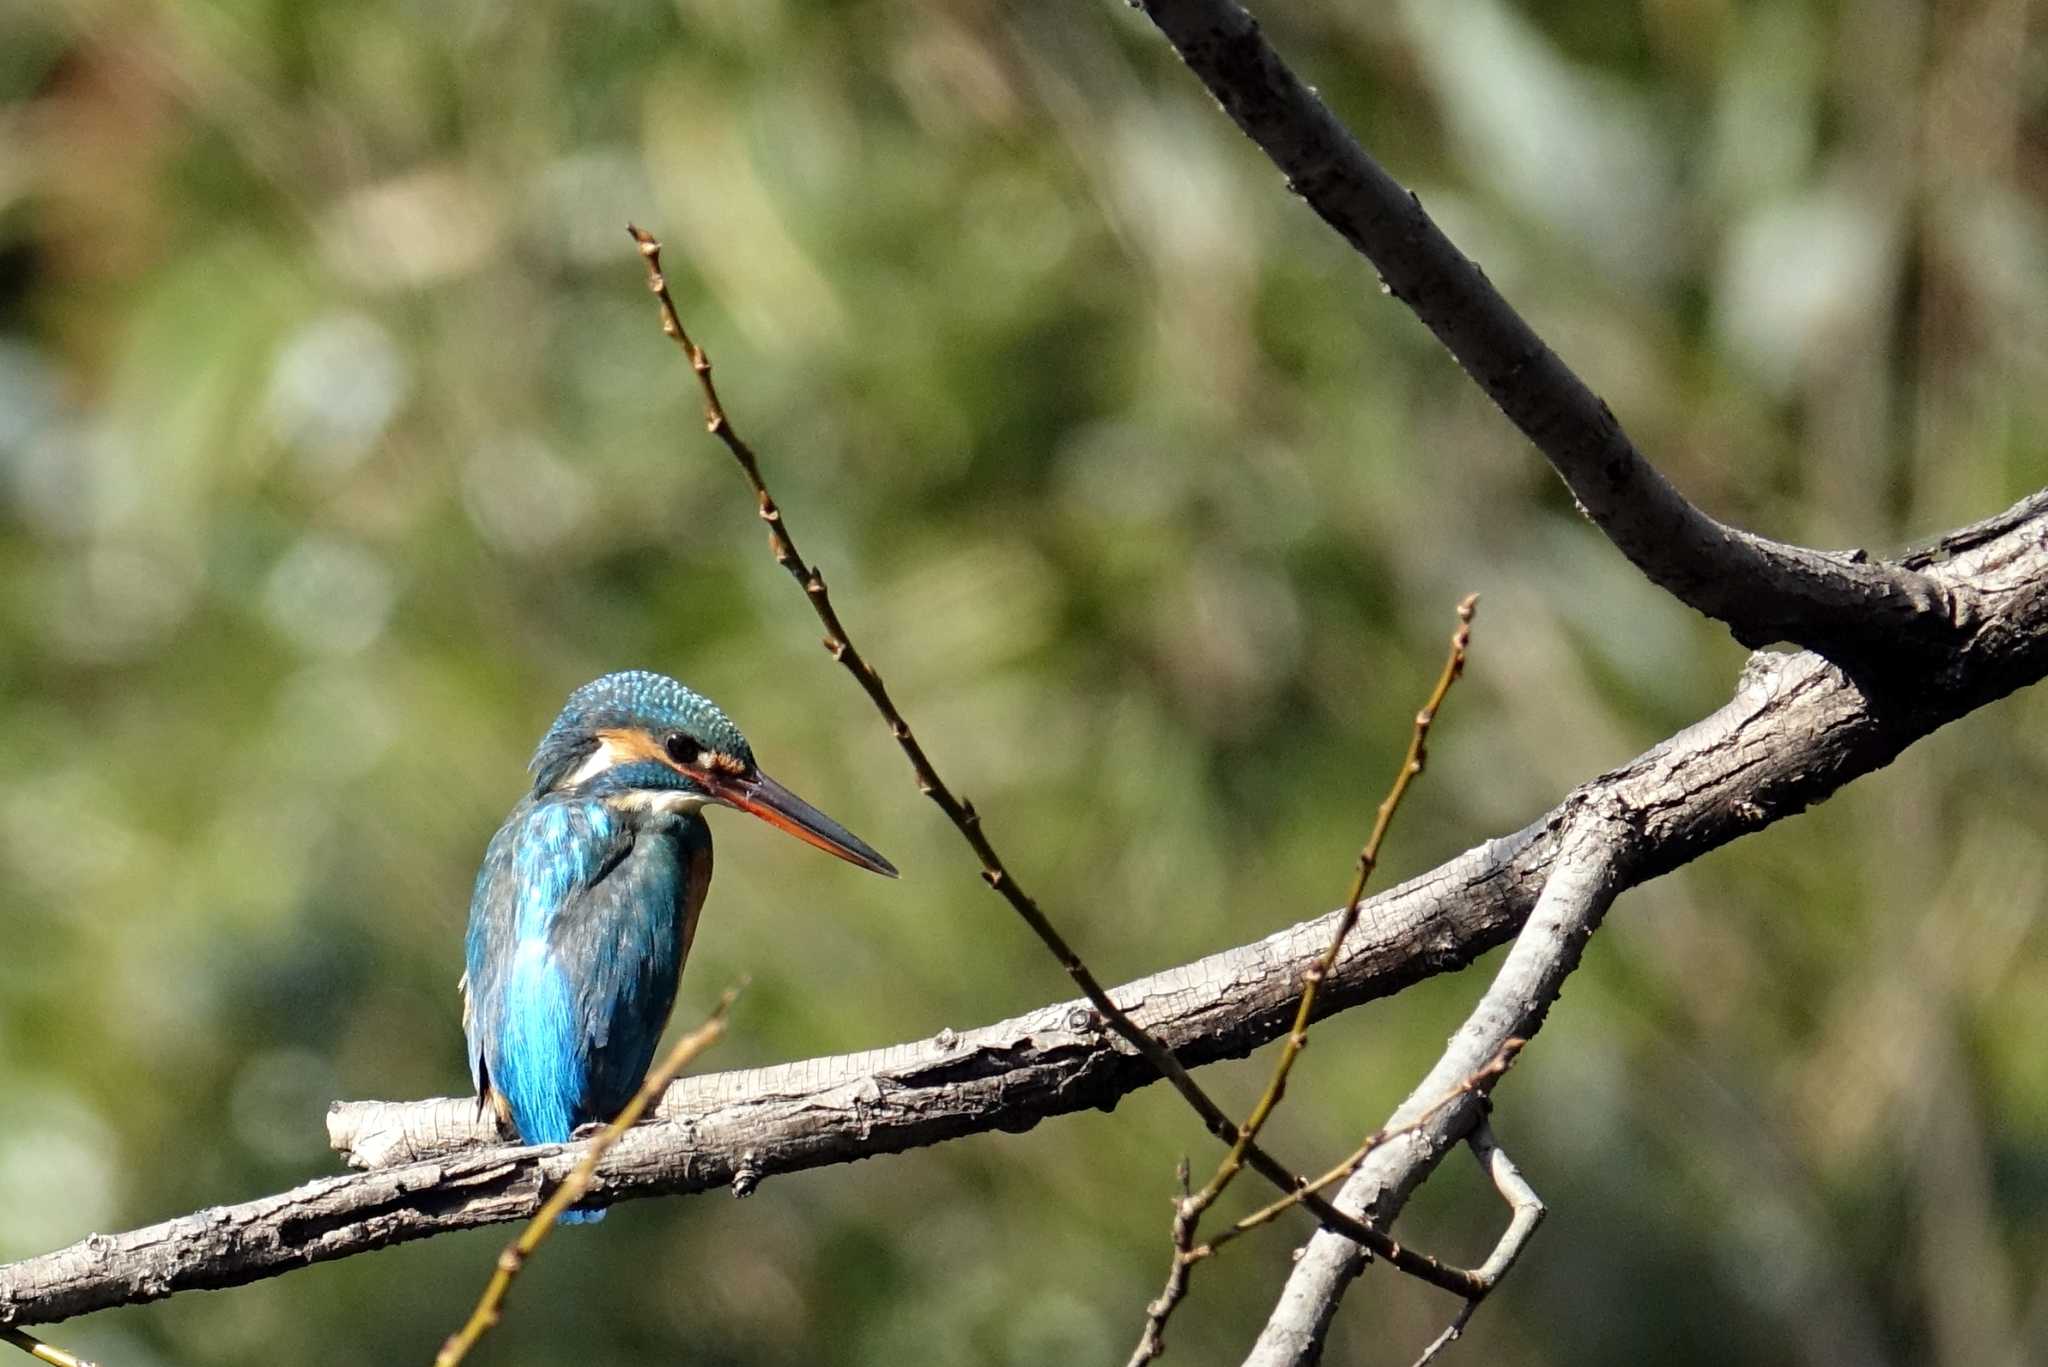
x,y
1846,606
1797,730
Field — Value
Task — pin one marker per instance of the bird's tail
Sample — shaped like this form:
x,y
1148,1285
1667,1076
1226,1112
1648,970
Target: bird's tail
x,y
581,1217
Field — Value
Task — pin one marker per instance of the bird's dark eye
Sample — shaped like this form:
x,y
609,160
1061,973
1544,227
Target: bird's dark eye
x,y
682,749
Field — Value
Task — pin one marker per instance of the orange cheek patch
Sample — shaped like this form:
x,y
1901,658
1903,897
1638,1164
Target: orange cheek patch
x,y
630,747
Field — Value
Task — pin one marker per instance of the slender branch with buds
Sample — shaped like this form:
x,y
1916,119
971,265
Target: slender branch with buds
x,y
1190,1207
968,821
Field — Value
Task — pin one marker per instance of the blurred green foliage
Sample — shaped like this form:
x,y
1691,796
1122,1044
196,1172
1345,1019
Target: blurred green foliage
x,y
338,442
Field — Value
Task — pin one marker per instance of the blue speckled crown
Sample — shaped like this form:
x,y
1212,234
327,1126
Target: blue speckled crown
x,y
636,698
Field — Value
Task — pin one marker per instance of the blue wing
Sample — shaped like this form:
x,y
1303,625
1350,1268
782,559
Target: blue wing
x,y
581,918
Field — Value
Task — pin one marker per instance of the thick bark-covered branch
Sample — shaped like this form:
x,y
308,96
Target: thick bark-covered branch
x,y
1846,606
1797,729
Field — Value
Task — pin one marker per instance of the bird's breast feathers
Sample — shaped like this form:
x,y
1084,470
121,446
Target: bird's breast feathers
x,y
563,846
583,914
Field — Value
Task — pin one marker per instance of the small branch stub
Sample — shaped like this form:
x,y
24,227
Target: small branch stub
x,y
41,1351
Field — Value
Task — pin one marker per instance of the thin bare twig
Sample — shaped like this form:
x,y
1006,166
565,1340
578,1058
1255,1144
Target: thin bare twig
x,y
1479,1082
1152,1341
42,1352
1189,1209
1453,1331
1368,859
1186,1252
1528,1212
968,822
512,1259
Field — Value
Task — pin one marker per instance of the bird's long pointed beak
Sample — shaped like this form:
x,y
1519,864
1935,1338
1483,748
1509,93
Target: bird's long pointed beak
x,y
764,797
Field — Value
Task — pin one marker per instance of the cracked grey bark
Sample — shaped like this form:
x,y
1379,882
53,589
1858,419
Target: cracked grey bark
x,y
2003,558
1797,730
1850,608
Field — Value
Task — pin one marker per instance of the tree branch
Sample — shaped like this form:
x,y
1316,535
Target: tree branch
x,y
1575,897
1845,606
1527,1213
1796,731
40,1351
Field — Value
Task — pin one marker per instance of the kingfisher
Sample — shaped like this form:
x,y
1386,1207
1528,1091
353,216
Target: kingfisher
x,y
588,897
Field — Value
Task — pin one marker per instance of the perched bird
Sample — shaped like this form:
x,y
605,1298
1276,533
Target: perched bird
x,y
588,898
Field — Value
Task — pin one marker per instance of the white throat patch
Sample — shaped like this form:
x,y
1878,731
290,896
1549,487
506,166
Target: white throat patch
x,y
645,800
602,758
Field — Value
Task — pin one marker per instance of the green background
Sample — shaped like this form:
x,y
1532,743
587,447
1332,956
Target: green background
x,y
338,442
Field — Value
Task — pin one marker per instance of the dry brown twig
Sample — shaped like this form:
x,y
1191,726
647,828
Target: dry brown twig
x,y
1368,859
512,1259
967,820
1186,1252
40,1351
1480,1081
1189,1208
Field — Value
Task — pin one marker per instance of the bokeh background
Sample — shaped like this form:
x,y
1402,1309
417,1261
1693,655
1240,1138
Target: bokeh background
x,y
338,442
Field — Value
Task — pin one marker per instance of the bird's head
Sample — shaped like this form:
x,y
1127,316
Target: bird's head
x,y
643,737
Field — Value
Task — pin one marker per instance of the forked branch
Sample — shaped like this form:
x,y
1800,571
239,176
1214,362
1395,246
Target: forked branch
x,y
1583,881
1186,1252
